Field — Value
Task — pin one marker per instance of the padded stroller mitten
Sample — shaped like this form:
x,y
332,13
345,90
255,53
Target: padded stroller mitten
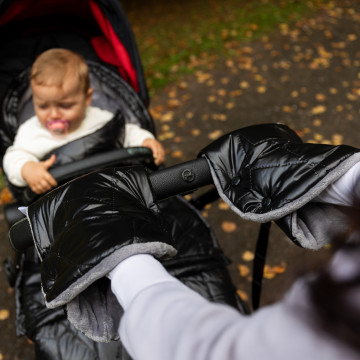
x,y
264,173
83,229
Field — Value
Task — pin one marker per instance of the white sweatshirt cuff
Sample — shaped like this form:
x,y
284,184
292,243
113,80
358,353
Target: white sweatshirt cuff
x,y
135,274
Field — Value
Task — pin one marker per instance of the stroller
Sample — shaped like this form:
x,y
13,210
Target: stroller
x,y
100,32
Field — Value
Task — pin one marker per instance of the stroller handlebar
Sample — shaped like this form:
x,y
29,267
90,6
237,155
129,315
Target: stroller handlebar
x,y
178,179
92,163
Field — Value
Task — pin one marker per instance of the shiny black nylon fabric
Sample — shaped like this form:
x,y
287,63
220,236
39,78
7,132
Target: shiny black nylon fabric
x,y
262,168
79,224
199,264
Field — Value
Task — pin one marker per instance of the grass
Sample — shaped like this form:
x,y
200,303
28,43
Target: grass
x,y
170,46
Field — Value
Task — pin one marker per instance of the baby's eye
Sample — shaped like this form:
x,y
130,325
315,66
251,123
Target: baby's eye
x,y
66,105
42,106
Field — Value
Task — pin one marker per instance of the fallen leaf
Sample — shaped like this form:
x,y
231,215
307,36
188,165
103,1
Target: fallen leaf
x,y
177,154
189,115
228,226
243,296
287,109
243,270
230,105
169,116
235,93
320,97
317,122
318,137
173,103
183,85
318,109
337,139
4,314
271,271
244,85
219,117
211,99
5,196
223,206
248,256
261,89
215,134
195,132
333,91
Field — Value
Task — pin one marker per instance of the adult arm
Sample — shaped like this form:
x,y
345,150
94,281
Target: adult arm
x,y
163,319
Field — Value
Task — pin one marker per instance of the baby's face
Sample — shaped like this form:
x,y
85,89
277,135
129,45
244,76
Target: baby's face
x,y
66,104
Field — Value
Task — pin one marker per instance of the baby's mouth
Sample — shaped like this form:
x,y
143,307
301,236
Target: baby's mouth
x,y
58,127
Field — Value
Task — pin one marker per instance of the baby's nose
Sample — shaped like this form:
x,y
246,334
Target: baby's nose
x,y
55,113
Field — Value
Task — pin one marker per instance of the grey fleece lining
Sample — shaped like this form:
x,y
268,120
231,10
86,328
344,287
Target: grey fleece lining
x,y
292,207
95,314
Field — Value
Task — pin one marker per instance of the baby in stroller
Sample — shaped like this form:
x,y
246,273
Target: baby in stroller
x,y
62,96
99,31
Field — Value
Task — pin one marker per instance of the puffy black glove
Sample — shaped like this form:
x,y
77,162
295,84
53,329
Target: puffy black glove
x,y
264,172
83,229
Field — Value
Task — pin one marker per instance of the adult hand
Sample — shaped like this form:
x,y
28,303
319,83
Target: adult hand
x,y
83,229
37,176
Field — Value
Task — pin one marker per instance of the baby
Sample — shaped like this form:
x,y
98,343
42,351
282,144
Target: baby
x,y
62,95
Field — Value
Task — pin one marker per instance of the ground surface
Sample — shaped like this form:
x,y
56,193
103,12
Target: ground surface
x,y
306,76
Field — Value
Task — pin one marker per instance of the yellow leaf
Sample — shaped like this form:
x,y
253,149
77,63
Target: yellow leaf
x,y
177,154
318,109
320,97
230,105
317,122
228,226
261,89
287,109
173,103
5,196
195,132
215,134
169,116
318,137
242,294
248,256
223,206
211,99
333,91
337,139
244,85
189,115
183,85
4,314
235,93
221,92
243,270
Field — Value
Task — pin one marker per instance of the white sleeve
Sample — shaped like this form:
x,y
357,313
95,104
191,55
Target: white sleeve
x,y
163,319
135,135
16,156
344,191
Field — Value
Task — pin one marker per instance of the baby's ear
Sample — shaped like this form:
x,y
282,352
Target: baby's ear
x,y
89,96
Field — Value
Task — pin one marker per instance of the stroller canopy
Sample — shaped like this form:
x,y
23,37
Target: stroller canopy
x,y
101,22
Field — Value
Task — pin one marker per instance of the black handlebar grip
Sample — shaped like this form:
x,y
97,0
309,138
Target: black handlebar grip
x,y
178,179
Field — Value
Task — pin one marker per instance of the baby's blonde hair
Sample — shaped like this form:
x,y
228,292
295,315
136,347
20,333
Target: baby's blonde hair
x,y
52,66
